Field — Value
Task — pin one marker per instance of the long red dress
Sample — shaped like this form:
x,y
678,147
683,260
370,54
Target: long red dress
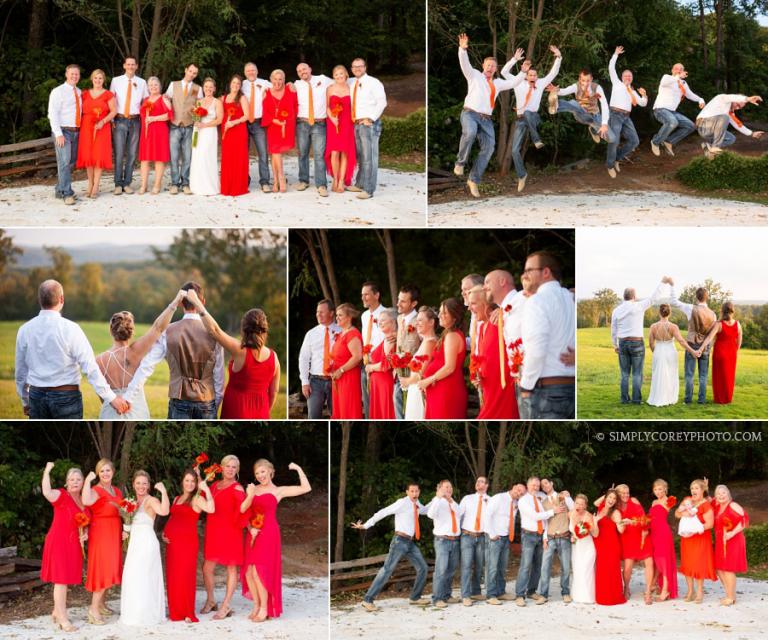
x,y
632,545
697,558
224,528
62,556
264,553
380,401
346,392
447,398
155,145
609,587
343,139
498,403
95,150
234,151
105,546
733,556
246,393
724,363
181,561
663,548
280,138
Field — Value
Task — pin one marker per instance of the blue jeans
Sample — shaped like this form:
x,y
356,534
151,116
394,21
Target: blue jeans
x,y
55,405
674,126
66,157
125,148
690,369
472,564
315,134
258,134
190,410
447,554
320,397
621,125
530,564
496,562
367,147
561,547
554,401
364,388
582,116
397,399
473,125
631,360
528,125
400,548
181,155
715,131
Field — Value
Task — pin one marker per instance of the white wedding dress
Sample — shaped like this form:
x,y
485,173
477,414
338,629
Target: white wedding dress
x,y
665,384
414,404
583,556
142,595
139,407
204,170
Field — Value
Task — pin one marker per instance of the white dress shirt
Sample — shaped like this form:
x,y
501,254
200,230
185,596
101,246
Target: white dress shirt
x,y
184,83
139,91
312,350
720,105
497,522
620,93
158,352
51,351
377,337
549,329
468,511
371,98
521,90
605,113
627,318
513,320
478,90
257,87
529,516
61,107
670,94
468,337
439,510
402,509
319,85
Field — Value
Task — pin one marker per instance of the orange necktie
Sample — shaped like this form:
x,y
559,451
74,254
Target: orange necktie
x,y
539,526
682,87
251,104
493,91
631,95
354,100
502,349
417,531
479,512
77,108
186,88
327,352
368,332
737,122
311,103
511,521
127,109
528,95
454,528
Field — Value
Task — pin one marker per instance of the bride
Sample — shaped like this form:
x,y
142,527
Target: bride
x,y
204,167
583,530
665,383
426,321
142,596
119,363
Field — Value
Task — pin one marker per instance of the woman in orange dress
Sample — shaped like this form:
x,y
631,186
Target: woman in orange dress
x,y
105,535
346,355
697,558
155,141
280,107
94,150
730,545
381,403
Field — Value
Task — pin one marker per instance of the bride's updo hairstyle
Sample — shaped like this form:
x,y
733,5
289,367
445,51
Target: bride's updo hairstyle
x,y
121,326
664,310
429,314
253,329
212,81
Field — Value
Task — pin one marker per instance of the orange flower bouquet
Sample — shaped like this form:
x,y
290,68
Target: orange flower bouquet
x,y
201,459
231,111
335,111
198,113
81,522
128,508
582,529
257,524
516,356
212,471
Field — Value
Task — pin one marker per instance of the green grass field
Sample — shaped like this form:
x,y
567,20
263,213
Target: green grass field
x,y
156,388
598,385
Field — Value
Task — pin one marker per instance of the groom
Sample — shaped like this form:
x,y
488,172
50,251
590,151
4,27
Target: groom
x,y
196,363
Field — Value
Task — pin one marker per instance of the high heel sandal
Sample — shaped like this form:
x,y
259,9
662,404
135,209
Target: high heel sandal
x,y
105,610
688,597
222,613
210,606
260,618
662,597
699,599
648,597
94,620
69,627
727,602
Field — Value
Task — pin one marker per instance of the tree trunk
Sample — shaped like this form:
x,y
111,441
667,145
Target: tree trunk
x,y
129,431
38,13
385,237
719,35
325,250
372,450
136,29
338,553
482,448
308,237
495,479
157,18
703,35
535,28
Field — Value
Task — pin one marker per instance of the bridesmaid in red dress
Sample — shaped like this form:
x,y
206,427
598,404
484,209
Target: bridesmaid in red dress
x,y
234,140
254,370
663,543
154,145
443,380
697,559
105,536
224,536
340,151
609,588
636,545
346,355
182,546
380,401
730,545
62,556
727,336
94,147
280,107
262,572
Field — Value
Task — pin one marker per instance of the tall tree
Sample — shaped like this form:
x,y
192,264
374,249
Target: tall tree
x,y
338,553
8,251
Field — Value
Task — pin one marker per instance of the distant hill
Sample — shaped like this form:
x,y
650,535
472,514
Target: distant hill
x,y
101,253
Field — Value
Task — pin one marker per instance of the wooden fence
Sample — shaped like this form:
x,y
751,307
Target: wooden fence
x,y
25,157
17,575
356,575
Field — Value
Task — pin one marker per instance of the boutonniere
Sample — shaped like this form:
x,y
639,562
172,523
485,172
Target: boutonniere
x,y
134,84
318,83
375,321
411,328
508,308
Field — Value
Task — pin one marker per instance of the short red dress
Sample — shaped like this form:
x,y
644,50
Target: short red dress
x,y
697,558
181,561
234,151
341,138
632,545
105,542
94,147
62,555
609,587
224,527
731,556
280,138
447,398
498,403
346,392
246,395
154,145
381,404
264,553
724,363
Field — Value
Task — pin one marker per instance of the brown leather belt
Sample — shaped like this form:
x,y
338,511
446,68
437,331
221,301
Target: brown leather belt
x,y
447,537
624,111
484,116
400,534
557,536
70,128
536,533
632,339
547,382
474,534
307,119
312,375
64,387
119,117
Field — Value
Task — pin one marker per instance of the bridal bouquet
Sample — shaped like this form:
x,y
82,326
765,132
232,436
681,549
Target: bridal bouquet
x,y
400,363
671,501
417,363
198,113
516,357
81,522
582,530
128,508
257,523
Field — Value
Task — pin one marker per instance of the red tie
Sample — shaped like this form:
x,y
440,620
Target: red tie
x,y
417,531
493,91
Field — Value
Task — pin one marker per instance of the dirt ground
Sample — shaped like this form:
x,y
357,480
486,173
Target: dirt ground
x,y
406,94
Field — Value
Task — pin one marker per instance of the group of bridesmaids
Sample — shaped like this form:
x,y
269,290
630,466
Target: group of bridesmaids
x,y
241,533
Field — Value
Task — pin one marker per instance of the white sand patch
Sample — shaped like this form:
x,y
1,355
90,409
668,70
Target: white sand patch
x,y
396,619
305,616
633,208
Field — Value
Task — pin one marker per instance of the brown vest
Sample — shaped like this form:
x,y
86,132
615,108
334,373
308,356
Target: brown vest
x,y
407,341
588,102
191,355
181,105
702,319
558,523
